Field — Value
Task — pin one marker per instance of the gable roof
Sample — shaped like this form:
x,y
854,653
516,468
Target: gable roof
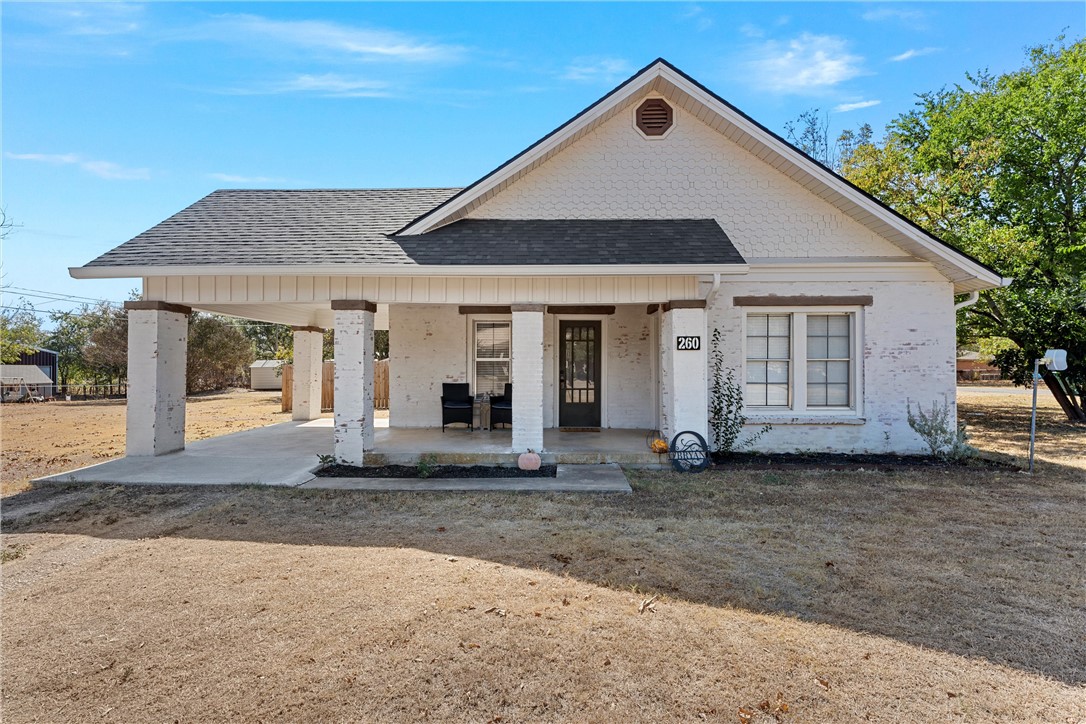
x,y
660,76
279,227
30,374
326,231
552,242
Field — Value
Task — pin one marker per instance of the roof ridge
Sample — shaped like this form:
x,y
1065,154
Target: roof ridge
x,y
303,191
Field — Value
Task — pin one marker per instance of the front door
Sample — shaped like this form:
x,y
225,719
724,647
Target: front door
x,y
579,378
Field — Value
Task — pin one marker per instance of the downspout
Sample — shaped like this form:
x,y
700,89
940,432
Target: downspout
x,y
712,291
973,297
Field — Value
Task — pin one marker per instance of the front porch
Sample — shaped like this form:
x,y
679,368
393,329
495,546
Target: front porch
x,y
285,454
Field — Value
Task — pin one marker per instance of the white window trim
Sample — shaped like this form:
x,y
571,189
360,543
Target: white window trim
x,y
797,412
473,319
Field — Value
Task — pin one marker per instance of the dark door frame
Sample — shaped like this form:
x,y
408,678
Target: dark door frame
x,y
601,371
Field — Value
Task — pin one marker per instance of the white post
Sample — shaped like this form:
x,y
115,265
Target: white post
x,y
158,335
527,376
684,395
308,361
353,379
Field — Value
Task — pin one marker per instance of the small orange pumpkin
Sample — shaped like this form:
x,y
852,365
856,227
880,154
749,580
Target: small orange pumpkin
x,y
658,446
529,461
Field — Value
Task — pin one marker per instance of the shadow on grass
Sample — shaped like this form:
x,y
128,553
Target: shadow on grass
x,y
979,563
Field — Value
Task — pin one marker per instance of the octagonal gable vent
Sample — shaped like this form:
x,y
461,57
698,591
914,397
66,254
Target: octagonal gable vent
x,y
654,117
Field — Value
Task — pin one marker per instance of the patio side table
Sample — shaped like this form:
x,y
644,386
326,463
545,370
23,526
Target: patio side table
x,y
481,414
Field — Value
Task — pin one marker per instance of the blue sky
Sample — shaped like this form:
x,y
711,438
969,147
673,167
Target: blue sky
x,y
116,116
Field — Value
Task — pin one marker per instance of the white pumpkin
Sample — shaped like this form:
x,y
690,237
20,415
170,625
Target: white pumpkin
x,y
529,461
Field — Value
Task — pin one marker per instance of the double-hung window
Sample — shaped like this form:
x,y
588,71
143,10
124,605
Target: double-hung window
x,y
801,361
493,341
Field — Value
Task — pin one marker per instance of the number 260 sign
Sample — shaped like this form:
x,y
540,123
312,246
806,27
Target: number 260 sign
x,y
688,342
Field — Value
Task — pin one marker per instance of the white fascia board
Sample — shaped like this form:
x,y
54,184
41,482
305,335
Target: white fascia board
x,y
405,270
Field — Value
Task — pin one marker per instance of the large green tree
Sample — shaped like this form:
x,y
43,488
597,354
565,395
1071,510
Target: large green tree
x,y
997,168
219,354
71,333
20,331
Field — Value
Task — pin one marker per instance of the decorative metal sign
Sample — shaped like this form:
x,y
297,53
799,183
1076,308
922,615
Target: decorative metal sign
x,y
690,342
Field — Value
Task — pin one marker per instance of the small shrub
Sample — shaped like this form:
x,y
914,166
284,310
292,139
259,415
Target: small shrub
x,y
12,552
726,416
934,428
426,466
326,460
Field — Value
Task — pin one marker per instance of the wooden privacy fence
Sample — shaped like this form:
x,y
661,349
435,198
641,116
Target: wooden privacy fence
x,y
328,372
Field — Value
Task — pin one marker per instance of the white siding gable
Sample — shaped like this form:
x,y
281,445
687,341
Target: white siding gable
x,y
693,172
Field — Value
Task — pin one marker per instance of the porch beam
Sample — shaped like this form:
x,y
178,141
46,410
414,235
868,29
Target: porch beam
x,y
606,309
353,433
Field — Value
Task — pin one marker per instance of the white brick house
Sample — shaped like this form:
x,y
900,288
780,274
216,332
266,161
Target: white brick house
x,y
590,272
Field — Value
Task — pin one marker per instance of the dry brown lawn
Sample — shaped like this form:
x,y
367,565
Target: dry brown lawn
x,y
945,594
51,437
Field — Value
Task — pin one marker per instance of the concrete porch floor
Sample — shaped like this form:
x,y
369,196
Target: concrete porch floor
x,y
286,455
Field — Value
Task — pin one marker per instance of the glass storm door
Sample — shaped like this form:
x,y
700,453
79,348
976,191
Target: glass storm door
x,y
579,374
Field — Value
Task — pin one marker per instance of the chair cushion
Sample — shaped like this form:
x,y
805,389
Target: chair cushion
x,y
456,404
502,405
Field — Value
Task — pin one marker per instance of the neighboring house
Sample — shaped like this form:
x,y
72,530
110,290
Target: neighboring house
x,y
266,374
972,365
590,271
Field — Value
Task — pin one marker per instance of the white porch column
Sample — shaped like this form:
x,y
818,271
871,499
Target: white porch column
x,y
353,379
684,397
527,376
308,361
158,337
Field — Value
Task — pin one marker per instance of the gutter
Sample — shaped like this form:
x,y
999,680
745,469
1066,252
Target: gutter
x,y
406,270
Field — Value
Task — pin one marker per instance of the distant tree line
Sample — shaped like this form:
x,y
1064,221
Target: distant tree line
x,y
92,345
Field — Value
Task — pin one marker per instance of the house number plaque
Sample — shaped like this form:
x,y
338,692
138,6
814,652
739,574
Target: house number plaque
x,y
688,342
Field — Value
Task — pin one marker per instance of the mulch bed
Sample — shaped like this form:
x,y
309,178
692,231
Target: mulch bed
x,y
435,471
844,461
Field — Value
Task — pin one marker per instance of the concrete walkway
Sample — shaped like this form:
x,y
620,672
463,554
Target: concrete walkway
x,y
286,455
282,454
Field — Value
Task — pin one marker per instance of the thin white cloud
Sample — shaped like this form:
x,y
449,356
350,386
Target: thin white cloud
x,y
887,13
909,18
329,85
89,19
914,53
846,107
697,14
101,169
597,70
344,41
235,179
806,64
751,30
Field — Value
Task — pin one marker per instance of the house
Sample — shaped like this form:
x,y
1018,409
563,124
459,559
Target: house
x,y
972,365
590,271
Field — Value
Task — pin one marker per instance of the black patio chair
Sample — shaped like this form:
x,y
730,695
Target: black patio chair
x,y
456,404
501,408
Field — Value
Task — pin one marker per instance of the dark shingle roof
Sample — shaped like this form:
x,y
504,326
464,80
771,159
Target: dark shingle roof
x,y
280,227
258,228
573,241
